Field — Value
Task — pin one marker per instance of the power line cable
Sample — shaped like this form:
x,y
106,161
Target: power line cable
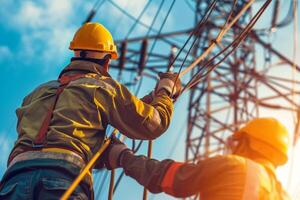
x,y
94,10
197,29
152,48
153,44
138,19
295,118
198,76
128,15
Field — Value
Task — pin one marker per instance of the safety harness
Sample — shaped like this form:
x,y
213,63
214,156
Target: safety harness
x,y
64,80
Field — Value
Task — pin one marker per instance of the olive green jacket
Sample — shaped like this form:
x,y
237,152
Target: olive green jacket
x,y
85,109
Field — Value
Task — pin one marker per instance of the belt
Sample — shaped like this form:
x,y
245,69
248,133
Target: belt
x,y
50,153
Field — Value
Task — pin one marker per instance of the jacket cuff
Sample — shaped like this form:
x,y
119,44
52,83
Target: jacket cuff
x,y
167,183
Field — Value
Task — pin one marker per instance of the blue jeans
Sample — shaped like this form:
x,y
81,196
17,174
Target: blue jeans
x,y
31,182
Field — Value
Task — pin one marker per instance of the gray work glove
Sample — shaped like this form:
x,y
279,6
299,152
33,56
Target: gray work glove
x,y
112,154
166,82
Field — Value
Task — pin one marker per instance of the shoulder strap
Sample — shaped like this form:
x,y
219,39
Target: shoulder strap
x,y
64,80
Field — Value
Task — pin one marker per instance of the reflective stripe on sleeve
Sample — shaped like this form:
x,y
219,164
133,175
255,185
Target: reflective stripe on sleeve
x,y
168,180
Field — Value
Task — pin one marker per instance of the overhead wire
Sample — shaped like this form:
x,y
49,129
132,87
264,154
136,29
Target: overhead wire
x,y
296,117
138,19
133,18
189,5
94,10
220,61
233,44
195,33
295,50
153,44
96,7
160,29
129,15
283,23
288,18
140,80
151,49
218,38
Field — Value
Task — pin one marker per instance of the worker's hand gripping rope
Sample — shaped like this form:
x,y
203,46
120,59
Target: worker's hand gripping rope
x,y
170,83
111,155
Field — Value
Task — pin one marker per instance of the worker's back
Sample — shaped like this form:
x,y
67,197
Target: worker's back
x,y
85,108
77,124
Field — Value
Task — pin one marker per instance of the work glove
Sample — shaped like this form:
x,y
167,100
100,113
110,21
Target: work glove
x,y
166,82
112,154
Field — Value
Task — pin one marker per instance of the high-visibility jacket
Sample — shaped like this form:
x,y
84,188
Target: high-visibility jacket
x,y
84,110
229,177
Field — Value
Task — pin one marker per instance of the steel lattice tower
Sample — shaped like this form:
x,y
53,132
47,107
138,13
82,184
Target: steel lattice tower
x,y
226,98
236,91
242,87
239,89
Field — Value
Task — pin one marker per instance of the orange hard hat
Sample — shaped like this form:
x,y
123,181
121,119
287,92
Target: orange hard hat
x,y
267,136
94,37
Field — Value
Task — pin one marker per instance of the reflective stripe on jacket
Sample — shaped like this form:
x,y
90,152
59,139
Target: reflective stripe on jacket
x,y
228,177
85,108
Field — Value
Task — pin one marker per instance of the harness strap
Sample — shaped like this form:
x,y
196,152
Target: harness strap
x,y
64,80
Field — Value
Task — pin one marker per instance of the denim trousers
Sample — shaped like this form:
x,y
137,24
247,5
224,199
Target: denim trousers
x,y
35,181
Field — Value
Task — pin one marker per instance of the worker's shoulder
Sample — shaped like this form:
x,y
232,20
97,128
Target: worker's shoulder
x,y
102,82
111,82
46,85
228,160
42,89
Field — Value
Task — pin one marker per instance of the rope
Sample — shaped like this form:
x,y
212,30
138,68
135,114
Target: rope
x,y
233,44
222,32
217,40
86,169
196,30
149,155
140,83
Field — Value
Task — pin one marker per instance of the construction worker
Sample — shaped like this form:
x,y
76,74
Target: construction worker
x,y
63,122
247,174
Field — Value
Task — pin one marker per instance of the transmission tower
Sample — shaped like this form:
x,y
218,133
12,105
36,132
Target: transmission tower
x,y
247,83
236,91
240,88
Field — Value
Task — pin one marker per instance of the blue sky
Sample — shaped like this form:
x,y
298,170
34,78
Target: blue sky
x,y
34,48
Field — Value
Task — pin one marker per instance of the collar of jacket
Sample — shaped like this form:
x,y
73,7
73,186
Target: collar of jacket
x,y
84,66
267,165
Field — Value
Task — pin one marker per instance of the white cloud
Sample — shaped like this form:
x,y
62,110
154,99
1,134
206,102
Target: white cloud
x,y
45,28
46,15
122,23
5,148
5,53
29,16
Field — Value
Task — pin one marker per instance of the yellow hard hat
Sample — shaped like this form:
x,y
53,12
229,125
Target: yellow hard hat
x,y
268,137
95,37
